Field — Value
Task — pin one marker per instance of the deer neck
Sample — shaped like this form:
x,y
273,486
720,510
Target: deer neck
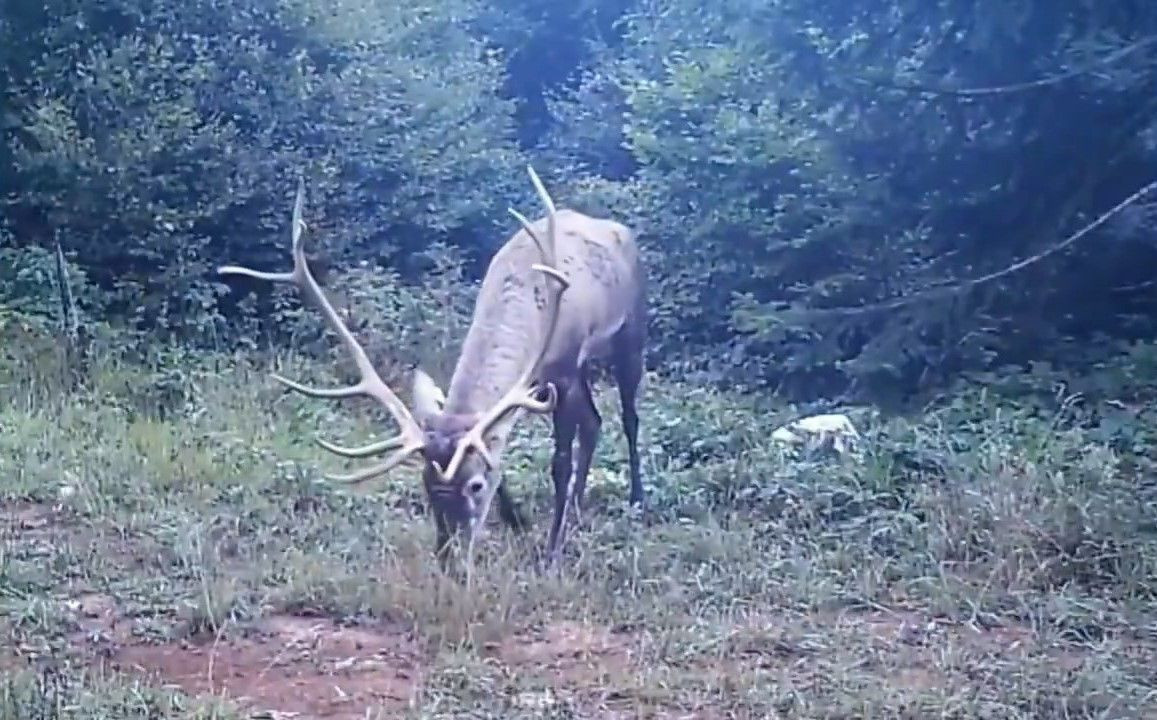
x,y
503,337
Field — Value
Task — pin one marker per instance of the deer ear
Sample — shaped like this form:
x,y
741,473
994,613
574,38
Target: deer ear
x,y
428,397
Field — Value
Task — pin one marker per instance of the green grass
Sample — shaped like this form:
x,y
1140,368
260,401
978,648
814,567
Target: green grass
x,y
168,551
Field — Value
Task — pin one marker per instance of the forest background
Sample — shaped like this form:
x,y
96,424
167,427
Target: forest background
x,y
820,189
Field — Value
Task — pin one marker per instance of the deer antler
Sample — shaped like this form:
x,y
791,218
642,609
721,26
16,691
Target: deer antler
x,y
525,392
410,439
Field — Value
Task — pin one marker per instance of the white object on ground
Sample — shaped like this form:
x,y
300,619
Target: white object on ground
x,y
818,430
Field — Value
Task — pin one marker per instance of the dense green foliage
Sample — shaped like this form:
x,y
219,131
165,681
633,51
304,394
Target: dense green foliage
x,y
790,165
156,141
782,164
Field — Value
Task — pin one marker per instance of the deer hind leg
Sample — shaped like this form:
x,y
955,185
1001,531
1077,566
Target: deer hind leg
x,y
589,425
561,469
627,367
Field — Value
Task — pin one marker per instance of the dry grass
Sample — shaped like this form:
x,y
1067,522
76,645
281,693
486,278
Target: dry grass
x,y
167,551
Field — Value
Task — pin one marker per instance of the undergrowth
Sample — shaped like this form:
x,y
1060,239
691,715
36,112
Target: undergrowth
x,y
169,550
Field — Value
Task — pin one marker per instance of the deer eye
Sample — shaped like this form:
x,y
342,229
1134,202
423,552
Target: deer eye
x,y
475,485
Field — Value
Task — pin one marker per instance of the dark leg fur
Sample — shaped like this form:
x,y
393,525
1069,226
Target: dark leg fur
x,y
589,425
561,467
627,367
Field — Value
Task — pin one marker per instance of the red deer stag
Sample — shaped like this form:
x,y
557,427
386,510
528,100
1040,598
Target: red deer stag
x,y
562,292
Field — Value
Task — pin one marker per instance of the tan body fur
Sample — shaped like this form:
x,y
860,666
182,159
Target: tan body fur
x,y
599,258
601,317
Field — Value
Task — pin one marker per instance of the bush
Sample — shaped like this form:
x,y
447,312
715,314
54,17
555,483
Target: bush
x,y
792,171
169,142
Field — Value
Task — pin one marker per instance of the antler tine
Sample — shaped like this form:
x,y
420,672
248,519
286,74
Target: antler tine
x,y
399,457
371,385
374,448
523,393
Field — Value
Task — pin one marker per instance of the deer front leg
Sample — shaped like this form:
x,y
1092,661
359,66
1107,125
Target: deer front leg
x,y
561,470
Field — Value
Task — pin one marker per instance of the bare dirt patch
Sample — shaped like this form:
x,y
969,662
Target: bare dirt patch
x,y
311,667
308,667
569,651
21,517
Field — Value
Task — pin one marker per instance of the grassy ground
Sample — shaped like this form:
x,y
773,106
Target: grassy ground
x,y
167,551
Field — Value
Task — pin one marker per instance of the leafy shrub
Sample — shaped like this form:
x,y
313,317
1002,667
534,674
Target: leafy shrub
x,y
171,141
401,325
785,181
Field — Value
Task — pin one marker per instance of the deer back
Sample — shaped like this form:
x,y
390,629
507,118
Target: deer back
x,y
598,257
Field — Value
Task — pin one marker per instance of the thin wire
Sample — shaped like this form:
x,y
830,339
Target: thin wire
x,y
969,284
1014,87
